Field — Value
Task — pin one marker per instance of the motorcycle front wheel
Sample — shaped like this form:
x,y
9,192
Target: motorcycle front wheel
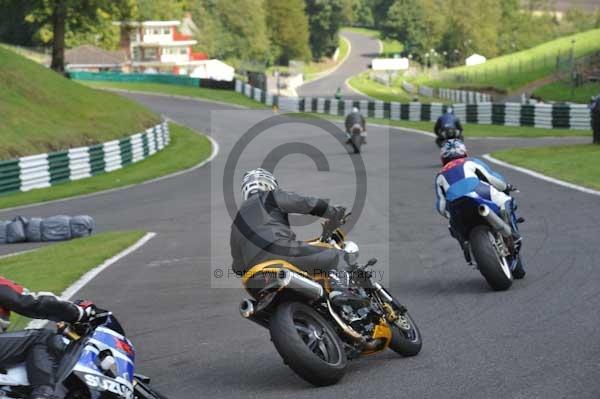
x,y
356,142
491,264
308,344
406,337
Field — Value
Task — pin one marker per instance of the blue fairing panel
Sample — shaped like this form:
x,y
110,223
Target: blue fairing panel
x,y
462,188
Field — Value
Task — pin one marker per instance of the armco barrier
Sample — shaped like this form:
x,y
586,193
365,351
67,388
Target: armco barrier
x,y
464,96
565,116
45,170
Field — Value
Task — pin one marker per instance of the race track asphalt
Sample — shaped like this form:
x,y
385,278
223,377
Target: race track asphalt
x,y
363,49
537,340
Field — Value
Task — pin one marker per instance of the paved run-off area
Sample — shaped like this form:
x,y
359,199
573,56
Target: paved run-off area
x,y
536,340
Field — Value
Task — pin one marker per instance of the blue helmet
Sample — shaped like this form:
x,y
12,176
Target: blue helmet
x,y
453,149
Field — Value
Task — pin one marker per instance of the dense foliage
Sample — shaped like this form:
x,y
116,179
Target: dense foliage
x,y
458,28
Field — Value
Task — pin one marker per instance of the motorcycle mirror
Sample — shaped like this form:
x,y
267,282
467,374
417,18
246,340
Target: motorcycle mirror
x,y
371,262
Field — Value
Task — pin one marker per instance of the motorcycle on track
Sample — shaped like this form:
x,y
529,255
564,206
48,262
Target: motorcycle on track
x,y
356,137
98,362
485,236
313,338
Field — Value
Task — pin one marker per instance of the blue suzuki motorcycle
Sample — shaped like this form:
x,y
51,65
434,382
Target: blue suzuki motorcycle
x,y
485,236
97,362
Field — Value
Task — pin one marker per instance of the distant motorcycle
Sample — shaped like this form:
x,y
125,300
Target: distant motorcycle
x,y
356,137
486,237
314,339
97,363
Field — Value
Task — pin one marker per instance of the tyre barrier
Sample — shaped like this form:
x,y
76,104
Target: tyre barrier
x,y
564,116
45,170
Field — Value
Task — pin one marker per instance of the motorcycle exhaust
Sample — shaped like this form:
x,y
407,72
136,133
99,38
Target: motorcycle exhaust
x,y
247,308
300,284
349,331
495,221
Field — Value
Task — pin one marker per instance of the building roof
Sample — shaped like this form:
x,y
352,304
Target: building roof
x,y
148,23
92,55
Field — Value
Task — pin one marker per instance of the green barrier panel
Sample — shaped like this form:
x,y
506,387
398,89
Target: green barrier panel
x,y
387,110
97,159
426,112
527,115
58,166
560,116
125,147
498,114
136,77
472,113
404,112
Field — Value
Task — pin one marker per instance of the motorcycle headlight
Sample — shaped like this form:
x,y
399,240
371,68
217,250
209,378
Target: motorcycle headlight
x,y
351,249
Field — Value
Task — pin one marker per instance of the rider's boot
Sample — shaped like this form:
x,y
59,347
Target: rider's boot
x,y
341,291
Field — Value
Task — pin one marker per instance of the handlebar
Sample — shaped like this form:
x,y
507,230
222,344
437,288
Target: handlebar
x,y
331,225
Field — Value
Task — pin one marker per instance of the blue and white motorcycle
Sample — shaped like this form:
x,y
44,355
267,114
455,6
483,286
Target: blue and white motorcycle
x,y
485,236
97,362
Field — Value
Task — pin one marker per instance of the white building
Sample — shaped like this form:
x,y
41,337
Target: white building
x,y
212,69
475,59
159,46
390,64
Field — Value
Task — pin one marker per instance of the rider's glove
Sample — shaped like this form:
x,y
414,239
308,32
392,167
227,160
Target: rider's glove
x,y
336,213
509,188
87,310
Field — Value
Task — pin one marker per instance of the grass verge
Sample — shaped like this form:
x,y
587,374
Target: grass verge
x,y
564,91
511,71
579,164
187,148
471,130
226,96
377,90
41,111
55,267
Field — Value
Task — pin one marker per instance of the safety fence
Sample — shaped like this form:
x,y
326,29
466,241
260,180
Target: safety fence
x,y
464,96
45,170
165,78
566,116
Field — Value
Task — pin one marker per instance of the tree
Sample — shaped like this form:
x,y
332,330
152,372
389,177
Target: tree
x,y
148,10
287,26
74,16
379,10
324,23
363,16
406,23
234,30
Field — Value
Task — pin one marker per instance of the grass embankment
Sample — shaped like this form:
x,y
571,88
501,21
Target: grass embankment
x,y
54,268
226,96
579,164
40,111
377,90
390,48
511,71
186,149
471,130
564,91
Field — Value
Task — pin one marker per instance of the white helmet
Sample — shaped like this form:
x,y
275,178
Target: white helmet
x,y
257,180
449,110
355,109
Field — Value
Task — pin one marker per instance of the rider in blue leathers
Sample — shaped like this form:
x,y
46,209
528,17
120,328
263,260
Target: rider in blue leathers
x,y
459,167
447,121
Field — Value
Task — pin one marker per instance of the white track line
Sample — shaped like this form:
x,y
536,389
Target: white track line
x,y
541,176
90,275
214,153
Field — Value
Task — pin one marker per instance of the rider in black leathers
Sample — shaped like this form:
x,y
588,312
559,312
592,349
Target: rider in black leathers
x,y
447,121
261,231
37,348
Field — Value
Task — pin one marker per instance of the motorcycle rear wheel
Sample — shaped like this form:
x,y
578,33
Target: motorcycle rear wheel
x,y
492,266
308,344
406,337
356,142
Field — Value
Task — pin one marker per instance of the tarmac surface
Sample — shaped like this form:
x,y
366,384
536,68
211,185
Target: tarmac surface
x,y
537,340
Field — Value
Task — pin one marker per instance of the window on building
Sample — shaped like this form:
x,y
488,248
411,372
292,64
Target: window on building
x,y
150,53
183,51
167,31
156,31
147,31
